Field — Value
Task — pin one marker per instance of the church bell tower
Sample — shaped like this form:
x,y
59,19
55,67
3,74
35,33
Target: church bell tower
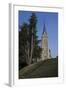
x,y
44,44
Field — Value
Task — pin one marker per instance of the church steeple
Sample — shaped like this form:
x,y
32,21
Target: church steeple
x,y
46,53
44,44
44,29
44,34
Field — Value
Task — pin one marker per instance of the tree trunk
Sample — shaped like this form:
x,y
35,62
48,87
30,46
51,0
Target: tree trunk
x,y
27,60
28,53
31,52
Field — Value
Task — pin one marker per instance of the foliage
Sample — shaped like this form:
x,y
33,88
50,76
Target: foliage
x,y
29,48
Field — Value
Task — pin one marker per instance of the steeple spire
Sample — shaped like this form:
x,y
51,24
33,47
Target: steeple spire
x,y
44,28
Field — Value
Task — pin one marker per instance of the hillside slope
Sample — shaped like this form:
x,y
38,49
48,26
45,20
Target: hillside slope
x,y
47,68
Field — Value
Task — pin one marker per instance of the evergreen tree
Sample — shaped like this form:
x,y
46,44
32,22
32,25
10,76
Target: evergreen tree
x,y
29,48
35,50
23,45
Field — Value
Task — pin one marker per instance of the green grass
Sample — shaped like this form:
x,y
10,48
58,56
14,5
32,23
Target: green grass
x,y
47,68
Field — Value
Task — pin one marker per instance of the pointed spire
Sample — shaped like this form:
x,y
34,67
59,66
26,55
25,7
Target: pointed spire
x,y
44,28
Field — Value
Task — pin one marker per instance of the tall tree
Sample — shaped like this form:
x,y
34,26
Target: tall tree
x,y
35,50
32,28
23,46
29,48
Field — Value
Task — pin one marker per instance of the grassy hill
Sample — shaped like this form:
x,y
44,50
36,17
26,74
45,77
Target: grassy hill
x,y
47,68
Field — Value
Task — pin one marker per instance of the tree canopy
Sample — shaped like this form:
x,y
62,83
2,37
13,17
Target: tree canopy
x,y
29,49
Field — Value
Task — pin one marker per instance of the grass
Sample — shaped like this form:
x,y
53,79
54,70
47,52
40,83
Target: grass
x,y
47,68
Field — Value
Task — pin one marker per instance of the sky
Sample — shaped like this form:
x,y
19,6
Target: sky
x,y
50,19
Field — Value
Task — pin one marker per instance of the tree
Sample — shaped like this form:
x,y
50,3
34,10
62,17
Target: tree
x,y
32,27
23,54
35,50
29,48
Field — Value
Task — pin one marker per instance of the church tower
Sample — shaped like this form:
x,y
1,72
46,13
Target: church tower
x,y
44,44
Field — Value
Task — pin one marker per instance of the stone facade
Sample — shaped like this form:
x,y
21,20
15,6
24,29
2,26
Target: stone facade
x,y
46,52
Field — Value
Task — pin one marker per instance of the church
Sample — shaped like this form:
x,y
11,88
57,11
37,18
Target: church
x,y
46,52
